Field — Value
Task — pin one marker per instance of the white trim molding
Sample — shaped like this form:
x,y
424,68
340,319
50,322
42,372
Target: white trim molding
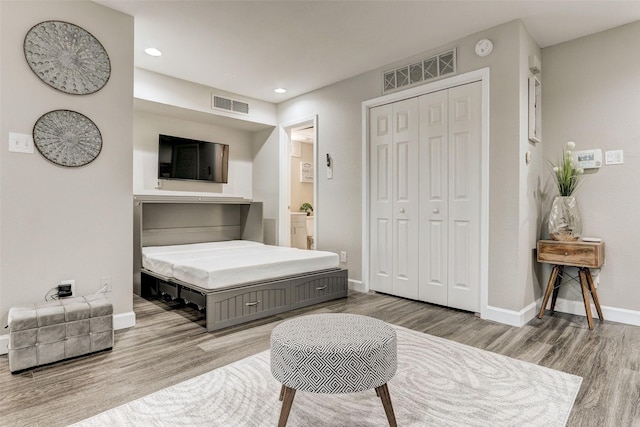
x,y
120,321
4,344
575,307
124,320
510,317
356,285
613,314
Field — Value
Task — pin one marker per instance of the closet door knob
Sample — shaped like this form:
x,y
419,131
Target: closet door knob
x,y
401,210
436,210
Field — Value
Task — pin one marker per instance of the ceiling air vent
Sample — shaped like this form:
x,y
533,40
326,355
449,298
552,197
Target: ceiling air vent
x,y
420,72
228,104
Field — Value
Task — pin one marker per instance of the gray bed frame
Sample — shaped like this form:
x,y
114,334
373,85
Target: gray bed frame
x,y
181,220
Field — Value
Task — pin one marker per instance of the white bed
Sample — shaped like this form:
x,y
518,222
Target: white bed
x,y
208,252
226,264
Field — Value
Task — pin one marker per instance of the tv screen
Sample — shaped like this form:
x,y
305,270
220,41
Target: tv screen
x,y
190,159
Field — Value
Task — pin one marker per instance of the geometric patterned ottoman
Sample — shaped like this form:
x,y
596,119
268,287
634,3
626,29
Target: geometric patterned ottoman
x,y
333,353
51,331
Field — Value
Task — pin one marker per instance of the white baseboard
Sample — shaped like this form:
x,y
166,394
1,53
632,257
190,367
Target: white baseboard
x,y
4,344
614,314
356,285
124,320
120,321
510,317
522,317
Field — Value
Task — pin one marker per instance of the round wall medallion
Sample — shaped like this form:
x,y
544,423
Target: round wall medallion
x,y
484,47
67,138
67,57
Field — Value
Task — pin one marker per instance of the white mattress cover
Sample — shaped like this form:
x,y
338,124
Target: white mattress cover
x,y
236,264
160,259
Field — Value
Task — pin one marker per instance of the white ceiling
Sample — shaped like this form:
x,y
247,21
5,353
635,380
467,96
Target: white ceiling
x,y
251,47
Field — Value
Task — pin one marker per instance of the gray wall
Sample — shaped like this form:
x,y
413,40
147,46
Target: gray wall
x,y
512,283
61,223
591,95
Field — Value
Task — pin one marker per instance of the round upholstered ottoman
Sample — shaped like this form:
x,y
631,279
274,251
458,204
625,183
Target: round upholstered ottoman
x,y
333,353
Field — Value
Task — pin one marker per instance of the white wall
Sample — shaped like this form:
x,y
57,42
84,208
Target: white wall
x,y
591,95
60,223
166,90
147,127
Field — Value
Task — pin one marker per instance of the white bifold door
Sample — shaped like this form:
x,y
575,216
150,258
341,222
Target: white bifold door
x,y
394,197
425,197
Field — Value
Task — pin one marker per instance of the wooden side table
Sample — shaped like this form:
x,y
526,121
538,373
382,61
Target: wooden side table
x,y
583,255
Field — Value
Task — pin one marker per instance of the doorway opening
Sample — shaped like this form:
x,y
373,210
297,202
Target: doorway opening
x,y
299,206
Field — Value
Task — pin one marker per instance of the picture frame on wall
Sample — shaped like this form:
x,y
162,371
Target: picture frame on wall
x,y
535,91
306,172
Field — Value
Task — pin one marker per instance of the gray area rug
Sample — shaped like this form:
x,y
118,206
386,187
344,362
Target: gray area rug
x,y
438,383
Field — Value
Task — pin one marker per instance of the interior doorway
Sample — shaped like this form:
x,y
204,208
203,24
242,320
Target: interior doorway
x,y
299,206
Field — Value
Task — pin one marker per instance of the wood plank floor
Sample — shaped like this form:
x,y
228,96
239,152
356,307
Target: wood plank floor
x,y
170,344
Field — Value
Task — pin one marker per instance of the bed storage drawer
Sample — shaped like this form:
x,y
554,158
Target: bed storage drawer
x,y
228,308
194,297
317,288
166,288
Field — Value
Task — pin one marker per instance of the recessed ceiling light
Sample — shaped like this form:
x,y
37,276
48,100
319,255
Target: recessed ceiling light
x,y
152,51
280,90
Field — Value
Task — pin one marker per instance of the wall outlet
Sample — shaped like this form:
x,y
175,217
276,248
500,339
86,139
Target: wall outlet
x,y
105,284
343,256
66,288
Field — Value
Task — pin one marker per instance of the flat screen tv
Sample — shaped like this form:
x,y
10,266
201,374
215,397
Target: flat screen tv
x,y
190,159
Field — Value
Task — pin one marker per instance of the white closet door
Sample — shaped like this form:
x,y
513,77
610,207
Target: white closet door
x,y
405,209
381,199
465,125
394,160
434,197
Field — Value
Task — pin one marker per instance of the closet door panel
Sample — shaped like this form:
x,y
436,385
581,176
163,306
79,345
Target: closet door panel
x,y
381,151
405,198
434,196
464,196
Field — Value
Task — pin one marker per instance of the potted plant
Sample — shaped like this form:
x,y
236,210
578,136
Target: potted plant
x,y
306,207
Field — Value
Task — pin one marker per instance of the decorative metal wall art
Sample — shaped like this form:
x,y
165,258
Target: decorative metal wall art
x,y
67,57
67,138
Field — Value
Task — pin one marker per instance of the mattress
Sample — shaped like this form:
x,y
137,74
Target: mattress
x,y
160,259
218,265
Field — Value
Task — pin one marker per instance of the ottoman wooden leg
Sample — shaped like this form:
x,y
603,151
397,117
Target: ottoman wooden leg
x,y
383,392
287,401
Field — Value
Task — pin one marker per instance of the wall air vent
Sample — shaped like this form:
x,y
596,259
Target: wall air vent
x,y
420,72
228,104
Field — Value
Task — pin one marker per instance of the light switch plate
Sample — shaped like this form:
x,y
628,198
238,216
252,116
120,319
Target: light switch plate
x,y
20,143
615,157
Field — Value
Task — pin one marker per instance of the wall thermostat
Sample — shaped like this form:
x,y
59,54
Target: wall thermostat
x,y
588,159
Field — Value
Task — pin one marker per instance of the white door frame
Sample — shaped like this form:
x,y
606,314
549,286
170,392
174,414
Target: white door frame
x,y
481,75
284,228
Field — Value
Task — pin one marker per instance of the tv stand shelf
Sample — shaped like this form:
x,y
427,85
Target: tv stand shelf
x,y
188,197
